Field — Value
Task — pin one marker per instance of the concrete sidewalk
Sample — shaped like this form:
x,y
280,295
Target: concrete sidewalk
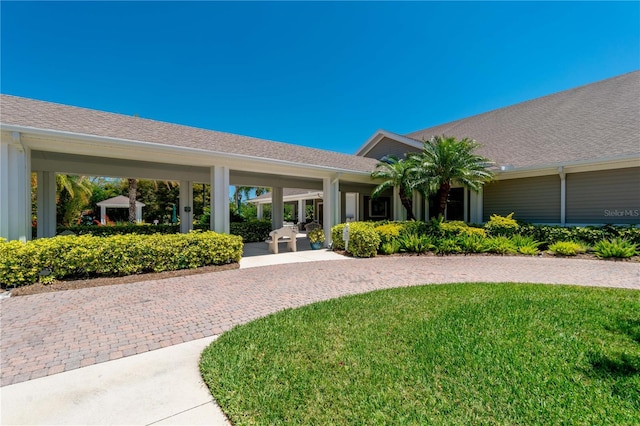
x,y
161,387
257,254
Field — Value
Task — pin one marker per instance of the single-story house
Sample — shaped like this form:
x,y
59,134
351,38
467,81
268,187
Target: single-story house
x,y
567,158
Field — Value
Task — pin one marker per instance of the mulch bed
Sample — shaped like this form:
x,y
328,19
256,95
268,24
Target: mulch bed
x,y
98,282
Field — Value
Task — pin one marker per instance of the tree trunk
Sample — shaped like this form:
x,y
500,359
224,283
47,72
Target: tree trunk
x,y
443,194
133,190
407,203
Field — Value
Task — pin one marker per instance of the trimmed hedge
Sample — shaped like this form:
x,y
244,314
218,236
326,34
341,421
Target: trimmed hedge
x,y
257,230
106,231
253,231
48,259
590,235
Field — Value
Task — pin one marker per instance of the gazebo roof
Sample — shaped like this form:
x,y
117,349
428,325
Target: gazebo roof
x,y
119,201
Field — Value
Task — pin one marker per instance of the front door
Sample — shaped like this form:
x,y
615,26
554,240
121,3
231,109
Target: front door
x,y
455,204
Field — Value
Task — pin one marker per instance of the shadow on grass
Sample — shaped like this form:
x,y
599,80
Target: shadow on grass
x,y
622,368
628,326
620,365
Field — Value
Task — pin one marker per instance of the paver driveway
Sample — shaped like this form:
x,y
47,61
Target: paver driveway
x,y
50,333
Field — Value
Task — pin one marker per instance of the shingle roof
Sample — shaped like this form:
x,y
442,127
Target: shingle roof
x,y
596,121
118,200
51,116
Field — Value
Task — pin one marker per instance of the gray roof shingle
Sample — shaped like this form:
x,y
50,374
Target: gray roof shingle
x,y
597,121
51,116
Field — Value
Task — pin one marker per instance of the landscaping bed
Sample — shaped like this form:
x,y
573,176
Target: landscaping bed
x,y
128,279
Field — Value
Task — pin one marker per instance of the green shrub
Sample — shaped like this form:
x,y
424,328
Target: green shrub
x,y
501,245
528,250
472,243
457,227
47,259
391,247
453,228
415,243
363,239
105,231
448,246
629,233
616,247
501,225
590,235
336,236
251,231
525,245
420,228
389,232
567,248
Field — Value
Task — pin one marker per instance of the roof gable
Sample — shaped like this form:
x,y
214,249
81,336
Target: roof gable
x,y
588,123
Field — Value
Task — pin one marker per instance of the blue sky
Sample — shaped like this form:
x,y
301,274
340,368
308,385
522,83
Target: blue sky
x,y
321,74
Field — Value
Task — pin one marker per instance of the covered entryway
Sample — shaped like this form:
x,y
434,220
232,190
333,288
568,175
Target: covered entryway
x,y
49,138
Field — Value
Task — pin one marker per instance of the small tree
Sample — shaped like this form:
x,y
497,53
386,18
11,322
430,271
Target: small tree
x,y
72,196
396,173
446,160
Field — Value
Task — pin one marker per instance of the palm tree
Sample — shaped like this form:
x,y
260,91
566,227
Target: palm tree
x,y
133,193
396,173
246,191
72,195
446,160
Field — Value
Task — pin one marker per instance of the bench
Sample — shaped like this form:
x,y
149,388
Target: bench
x,y
311,226
287,234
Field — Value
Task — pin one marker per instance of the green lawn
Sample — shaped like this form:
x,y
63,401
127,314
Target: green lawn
x,y
464,354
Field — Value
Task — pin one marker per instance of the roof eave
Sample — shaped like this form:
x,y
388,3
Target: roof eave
x,y
578,166
137,145
379,135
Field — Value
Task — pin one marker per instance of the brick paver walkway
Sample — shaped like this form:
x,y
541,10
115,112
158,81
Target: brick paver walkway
x,y
50,333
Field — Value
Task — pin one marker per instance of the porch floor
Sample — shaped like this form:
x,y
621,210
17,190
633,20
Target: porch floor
x,y
257,254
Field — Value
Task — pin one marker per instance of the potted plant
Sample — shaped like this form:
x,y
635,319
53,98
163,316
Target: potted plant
x,y
316,238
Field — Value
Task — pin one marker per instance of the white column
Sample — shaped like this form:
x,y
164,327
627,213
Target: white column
x,y
417,204
302,211
139,212
563,196
259,210
220,199
475,198
465,205
398,208
15,189
103,215
186,206
425,204
330,206
46,200
277,207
